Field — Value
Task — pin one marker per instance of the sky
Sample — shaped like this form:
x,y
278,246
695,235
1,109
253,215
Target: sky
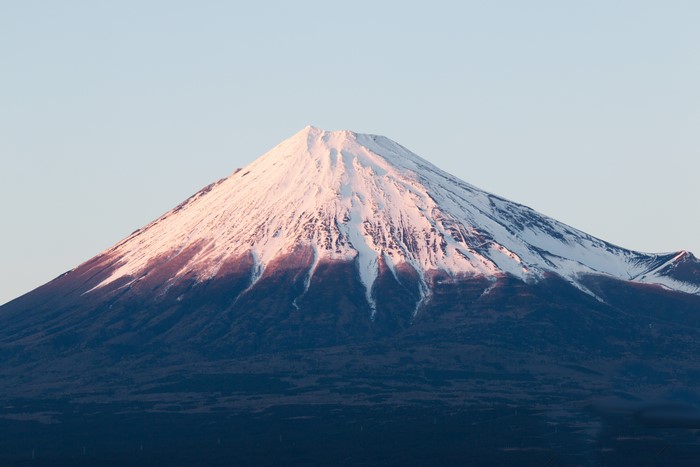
x,y
112,113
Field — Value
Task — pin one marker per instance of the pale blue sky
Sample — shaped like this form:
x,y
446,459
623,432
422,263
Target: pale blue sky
x,y
111,113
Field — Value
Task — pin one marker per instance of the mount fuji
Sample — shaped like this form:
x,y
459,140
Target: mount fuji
x,y
367,200
341,268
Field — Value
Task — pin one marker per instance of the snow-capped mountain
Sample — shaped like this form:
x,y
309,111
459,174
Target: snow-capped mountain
x,y
330,237
366,199
338,282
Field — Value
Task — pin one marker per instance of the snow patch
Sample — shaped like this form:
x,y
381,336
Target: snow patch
x,y
307,280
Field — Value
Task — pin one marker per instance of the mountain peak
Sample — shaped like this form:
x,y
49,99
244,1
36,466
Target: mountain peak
x,y
374,151
313,132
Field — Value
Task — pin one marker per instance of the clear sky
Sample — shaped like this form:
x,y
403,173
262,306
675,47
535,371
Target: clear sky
x,y
111,113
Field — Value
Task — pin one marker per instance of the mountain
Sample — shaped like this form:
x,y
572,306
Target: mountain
x,y
343,270
365,199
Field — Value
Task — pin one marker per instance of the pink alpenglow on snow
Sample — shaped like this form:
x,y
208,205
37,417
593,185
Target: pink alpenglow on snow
x,y
367,199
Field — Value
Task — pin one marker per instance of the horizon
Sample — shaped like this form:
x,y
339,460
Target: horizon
x,y
113,118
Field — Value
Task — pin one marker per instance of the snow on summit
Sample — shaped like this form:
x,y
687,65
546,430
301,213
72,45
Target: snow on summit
x,y
367,199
